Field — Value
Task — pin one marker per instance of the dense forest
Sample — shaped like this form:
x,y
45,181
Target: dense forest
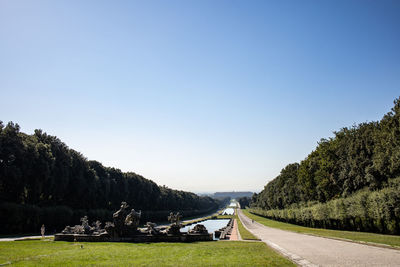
x,y
350,181
44,181
244,202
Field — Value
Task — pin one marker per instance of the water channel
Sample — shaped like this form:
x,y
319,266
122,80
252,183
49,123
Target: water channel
x,y
228,211
211,225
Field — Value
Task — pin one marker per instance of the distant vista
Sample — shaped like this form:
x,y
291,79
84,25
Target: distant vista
x,y
232,194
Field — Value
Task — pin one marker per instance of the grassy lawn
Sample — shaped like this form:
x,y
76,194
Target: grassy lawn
x,y
391,240
224,216
50,253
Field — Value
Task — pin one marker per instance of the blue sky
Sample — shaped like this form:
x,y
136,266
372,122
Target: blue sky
x,y
197,95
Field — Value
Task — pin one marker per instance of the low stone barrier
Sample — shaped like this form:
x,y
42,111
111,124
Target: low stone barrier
x,y
135,239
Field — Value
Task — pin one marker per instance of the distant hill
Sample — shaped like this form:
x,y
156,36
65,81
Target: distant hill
x,y
232,194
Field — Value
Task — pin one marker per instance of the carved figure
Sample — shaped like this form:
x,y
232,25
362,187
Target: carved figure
x,y
199,229
174,228
125,224
151,228
42,230
96,227
133,218
119,217
85,224
84,228
110,227
174,218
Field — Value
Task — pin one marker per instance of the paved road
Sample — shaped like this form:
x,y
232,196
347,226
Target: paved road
x,y
308,250
23,238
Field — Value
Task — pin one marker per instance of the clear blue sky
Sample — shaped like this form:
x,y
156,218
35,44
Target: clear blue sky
x,y
197,95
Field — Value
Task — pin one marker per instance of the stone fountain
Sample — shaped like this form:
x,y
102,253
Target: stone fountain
x,y
125,228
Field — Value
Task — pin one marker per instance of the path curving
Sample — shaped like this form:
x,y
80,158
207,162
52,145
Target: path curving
x,y
307,250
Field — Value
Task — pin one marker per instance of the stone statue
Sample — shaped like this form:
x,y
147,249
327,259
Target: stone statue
x,y
110,227
42,230
119,218
199,229
133,218
96,228
125,224
174,218
84,228
85,224
174,228
151,228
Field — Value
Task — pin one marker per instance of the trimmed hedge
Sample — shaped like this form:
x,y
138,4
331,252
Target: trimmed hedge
x,y
368,211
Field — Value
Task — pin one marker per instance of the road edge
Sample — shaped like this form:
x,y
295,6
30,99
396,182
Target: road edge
x,y
291,256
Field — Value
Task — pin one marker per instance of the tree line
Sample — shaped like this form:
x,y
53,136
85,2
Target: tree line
x,y
42,180
244,202
365,157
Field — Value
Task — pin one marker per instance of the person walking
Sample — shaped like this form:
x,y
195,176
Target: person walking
x,y
42,230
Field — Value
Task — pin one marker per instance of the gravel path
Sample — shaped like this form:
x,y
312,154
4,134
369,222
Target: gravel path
x,y
23,238
307,250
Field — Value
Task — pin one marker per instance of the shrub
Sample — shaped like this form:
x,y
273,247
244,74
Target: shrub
x,y
371,211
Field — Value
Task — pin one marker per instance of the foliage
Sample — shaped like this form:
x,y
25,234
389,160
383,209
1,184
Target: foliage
x,y
55,185
370,211
363,157
244,202
47,253
223,201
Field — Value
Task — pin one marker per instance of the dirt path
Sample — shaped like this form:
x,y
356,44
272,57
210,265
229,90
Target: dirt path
x,y
308,250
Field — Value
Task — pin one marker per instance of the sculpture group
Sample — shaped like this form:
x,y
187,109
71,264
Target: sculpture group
x,y
125,227
124,223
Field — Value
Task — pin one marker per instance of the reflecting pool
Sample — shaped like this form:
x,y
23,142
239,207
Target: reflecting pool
x,y
211,225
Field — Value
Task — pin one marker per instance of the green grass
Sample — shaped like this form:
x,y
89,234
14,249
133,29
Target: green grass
x,y
224,216
391,240
50,253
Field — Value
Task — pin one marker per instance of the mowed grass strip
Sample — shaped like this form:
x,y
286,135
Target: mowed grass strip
x,y
50,253
391,240
224,216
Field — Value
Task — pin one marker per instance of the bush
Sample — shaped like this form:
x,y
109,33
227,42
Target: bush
x,y
370,211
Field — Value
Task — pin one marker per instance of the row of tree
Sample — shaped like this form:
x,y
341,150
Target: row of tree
x,y
368,211
363,157
244,202
41,176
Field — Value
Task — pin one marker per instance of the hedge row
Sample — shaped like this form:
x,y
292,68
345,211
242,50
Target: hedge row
x,y
369,211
